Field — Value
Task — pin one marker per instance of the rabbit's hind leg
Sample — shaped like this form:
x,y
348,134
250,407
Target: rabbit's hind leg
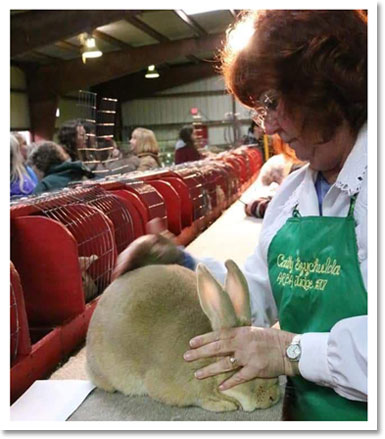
x,y
217,405
99,379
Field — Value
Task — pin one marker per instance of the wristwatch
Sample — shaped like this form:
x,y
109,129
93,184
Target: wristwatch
x,y
293,351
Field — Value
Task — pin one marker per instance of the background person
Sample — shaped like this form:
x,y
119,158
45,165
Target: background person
x,y
146,148
22,144
23,179
73,138
185,148
305,72
115,160
271,176
55,168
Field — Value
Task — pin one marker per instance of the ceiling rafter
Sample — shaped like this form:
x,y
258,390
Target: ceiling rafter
x,y
70,75
38,28
45,56
111,40
192,24
139,24
147,29
65,45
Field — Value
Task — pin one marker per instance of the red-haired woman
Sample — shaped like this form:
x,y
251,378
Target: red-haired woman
x,y
304,72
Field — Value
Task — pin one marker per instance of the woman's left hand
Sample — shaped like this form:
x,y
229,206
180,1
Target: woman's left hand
x,y
258,352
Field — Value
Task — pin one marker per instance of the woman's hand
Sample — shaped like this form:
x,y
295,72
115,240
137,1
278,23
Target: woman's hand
x,y
258,353
157,247
248,209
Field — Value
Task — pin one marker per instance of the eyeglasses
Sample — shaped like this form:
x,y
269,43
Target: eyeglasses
x,y
268,103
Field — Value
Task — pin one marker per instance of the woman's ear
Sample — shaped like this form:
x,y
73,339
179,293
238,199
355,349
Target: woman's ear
x,y
238,291
214,301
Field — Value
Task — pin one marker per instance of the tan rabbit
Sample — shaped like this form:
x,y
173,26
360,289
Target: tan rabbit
x,y
142,326
90,288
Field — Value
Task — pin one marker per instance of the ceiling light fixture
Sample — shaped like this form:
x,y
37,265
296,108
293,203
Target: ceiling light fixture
x,y
152,73
89,48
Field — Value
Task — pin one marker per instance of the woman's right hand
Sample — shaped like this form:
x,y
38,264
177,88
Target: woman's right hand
x,y
157,247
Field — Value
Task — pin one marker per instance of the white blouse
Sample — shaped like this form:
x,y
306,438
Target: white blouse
x,y
337,359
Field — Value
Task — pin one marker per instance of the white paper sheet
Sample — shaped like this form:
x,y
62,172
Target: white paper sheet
x,y
50,400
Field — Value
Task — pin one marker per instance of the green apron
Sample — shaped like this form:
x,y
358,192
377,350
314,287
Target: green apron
x,y
316,281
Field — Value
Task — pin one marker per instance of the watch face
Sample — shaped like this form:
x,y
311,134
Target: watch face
x,y
293,351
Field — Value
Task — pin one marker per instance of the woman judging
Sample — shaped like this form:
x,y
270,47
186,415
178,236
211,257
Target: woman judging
x,y
304,73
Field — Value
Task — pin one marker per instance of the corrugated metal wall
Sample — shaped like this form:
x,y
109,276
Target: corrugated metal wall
x,y
165,115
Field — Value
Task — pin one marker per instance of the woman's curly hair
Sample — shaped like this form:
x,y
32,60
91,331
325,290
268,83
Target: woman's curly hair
x,y
316,59
46,155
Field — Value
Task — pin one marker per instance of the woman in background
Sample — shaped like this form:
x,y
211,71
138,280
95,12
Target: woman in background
x,y
73,138
54,167
22,144
185,148
272,174
146,148
23,179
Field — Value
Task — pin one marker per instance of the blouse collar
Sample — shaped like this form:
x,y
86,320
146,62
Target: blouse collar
x,y
349,179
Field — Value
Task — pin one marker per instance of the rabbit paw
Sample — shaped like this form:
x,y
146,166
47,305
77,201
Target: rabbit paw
x,y
218,405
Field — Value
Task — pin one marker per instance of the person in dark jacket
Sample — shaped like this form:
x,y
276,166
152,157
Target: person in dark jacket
x,y
185,149
54,167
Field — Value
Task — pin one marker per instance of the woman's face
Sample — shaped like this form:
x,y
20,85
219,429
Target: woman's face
x,y
326,156
81,137
257,131
134,141
23,148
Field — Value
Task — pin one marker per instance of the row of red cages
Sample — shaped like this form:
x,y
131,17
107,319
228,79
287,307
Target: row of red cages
x,y
64,246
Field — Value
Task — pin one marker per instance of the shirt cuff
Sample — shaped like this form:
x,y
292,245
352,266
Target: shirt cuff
x,y
187,260
313,364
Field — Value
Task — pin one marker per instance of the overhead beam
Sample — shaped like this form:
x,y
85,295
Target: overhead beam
x,y
190,22
72,75
69,47
111,40
136,86
139,24
34,29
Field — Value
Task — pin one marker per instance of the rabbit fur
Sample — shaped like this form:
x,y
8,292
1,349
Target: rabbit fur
x,y
141,328
90,288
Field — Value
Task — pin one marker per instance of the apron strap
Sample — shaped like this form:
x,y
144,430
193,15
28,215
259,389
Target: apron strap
x,y
295,212
352,204
353,199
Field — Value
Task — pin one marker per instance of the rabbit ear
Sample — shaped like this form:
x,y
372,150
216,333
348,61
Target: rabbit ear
x,y
86,261
215,302
238,291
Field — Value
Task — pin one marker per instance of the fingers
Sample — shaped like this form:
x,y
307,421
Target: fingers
x,y
213,344
122,264
236,379
209,337
155,226
223,365
201,340
130,257
213,349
